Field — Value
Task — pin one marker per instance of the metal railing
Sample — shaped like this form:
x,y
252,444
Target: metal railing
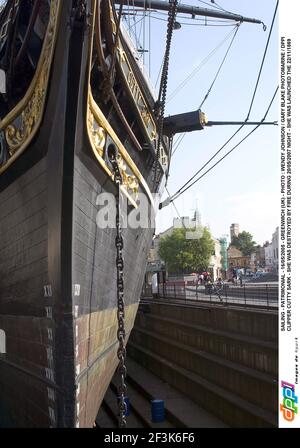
x,y
262,295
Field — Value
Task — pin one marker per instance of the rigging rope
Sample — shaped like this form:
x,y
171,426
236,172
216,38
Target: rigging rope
x,y
194,19
212,5
239,129
176,196
144,34
159,73
263,61
221,65
175,208
179,141
149,37
215,155
134,28
164,83
202,64
219,7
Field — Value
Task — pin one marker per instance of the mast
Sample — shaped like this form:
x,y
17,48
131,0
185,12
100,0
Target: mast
x,y
196,121
239,123
187,9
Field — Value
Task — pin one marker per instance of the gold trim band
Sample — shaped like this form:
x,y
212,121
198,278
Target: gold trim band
x,y
22,123
98,129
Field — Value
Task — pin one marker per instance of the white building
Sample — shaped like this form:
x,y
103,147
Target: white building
x,y
216,261
271,253
269,257
194,223
234,230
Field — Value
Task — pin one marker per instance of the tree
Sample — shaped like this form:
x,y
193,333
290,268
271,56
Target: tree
x,y
182,254
244,242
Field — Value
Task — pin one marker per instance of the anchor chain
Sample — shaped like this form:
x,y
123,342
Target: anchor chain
x,y
120,290
161,103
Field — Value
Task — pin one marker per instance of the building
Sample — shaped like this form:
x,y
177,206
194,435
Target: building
x,y
275,247
224,260
234,231
272,253
269,257
237,260
215,265
260,257
186,221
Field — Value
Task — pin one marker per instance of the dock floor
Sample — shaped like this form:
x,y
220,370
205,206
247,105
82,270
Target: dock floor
x,y
143,386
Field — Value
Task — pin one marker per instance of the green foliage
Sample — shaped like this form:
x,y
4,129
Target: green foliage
x,y
182,254
244,242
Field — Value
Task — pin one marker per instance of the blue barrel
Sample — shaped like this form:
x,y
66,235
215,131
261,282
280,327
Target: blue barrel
x,y
126,399
158,411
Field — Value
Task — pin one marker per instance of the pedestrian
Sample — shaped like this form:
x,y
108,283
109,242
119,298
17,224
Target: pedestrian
x,y
219,288
154,286
197,283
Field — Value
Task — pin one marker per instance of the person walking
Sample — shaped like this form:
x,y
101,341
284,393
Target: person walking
x,y
197,284
219,288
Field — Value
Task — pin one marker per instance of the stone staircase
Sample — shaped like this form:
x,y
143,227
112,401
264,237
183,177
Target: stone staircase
x,y
224,359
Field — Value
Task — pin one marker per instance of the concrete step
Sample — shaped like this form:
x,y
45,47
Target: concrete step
x,y
259,324
108,413
140,407
104,418
235,411
256,387
179,409
248,351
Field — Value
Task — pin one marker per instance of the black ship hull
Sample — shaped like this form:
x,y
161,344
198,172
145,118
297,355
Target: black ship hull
x,y
57,265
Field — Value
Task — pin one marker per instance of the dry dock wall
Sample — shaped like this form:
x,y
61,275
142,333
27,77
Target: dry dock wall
x,y
224,358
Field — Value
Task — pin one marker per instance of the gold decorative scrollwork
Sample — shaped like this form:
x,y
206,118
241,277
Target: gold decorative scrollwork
x,y
98,130
98,137
113,23
129,181
22,123
96,133
16,134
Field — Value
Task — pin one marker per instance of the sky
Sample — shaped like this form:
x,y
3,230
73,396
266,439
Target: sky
x,y
244,187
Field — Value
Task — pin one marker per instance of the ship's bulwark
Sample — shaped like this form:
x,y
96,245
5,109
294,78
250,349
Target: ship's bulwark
x,y
94,270
28,371
57,267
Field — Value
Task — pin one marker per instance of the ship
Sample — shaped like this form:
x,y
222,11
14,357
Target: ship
x,y
79,123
